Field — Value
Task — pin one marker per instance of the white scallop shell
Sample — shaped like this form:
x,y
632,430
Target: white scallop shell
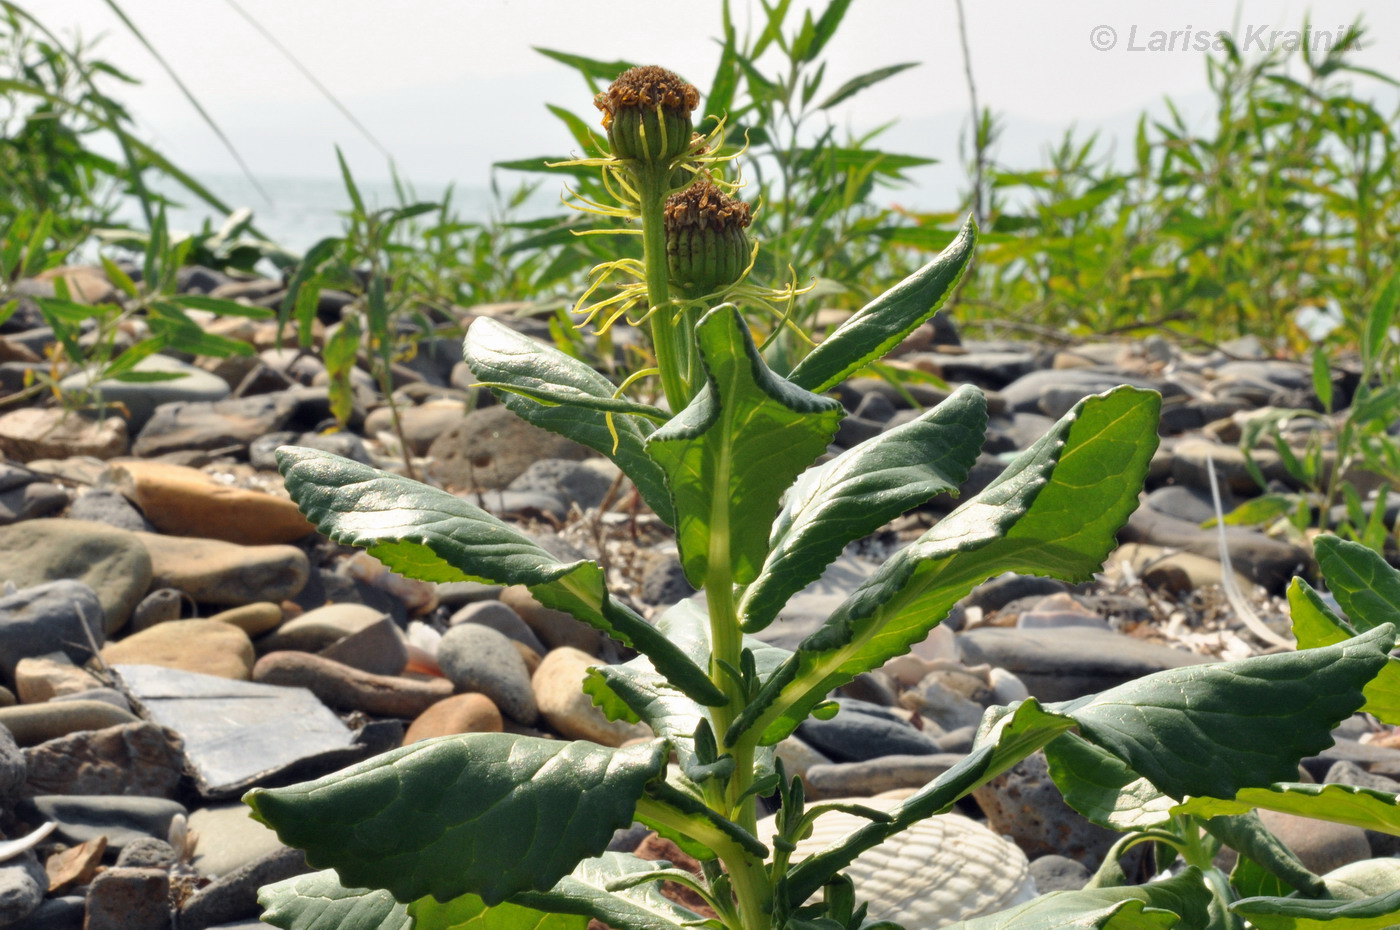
x,y
941,870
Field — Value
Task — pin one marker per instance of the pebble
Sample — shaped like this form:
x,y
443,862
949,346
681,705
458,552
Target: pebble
x,y
481,659
871,777
53,433
120,818
63,617
1322,846
207,647
254,619
229,839
491,447
234,896
147,852
558,687
1059,610
184,501
346,688
1383,845
324,626
571,481
421,424
30,501
461,713
212,571
12,769
554,628
379,648
862,731
160,606
23,884
100,505
501,618
114,563
132,758
1024,805
797,756
129,899
204,426
1066,663
1264,560
32,724
138,400
1058,873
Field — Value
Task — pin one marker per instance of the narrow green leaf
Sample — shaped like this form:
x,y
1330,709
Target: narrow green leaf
x,y
585,891
636,691
1359,807
1100,786
733,451
1182,902
884,322
1054,511
1212,730
861,490
1322,379
1265,508
1379,320
349,181
1375,913
221,307
1363,583
1006,740
1314,624
426,533
826,27
318,901
442,817
471,913
591,68
120,278
497,354
862,81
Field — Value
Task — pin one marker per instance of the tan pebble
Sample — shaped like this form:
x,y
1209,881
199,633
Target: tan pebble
x,y
558,687
187,502
207,647
32,724
344,688
461,713
531,657
253,619
43,677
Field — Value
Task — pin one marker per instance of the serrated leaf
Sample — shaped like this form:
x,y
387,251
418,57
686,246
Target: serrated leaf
x,y
444,817
1366,586
1054,511
1375,913
1181,902
733,451
884,322
1213,730
636,691
497,353
1360,807
861,490
426,533
1006,740
471,913
320,902
1314,624
1100,786
693,826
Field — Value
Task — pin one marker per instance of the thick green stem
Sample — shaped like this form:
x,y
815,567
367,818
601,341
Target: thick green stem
x,y
670,343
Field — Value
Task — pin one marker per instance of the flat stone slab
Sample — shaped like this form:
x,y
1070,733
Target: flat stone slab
x,y
238,734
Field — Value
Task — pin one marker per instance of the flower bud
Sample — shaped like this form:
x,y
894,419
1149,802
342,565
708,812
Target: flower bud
x,y
706,248
646,112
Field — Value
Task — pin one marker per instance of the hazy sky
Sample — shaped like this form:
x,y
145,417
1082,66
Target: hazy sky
x,y
451,85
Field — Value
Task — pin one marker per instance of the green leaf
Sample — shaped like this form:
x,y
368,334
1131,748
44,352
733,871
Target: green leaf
x,y
1363,583
1212,730
861,490
1098,785
695,826
1379,320
733,451
578,896
471,913
826,27
120,278
445,817
221,307
636,691
426,533
884,322
1004,741
1247,834
860,82
319,901
1360,807
1054,511
348,180
591,68
1314,624
1181,901
1375,913
496,353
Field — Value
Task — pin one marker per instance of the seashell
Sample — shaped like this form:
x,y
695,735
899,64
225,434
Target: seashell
x,y
941,870
11,848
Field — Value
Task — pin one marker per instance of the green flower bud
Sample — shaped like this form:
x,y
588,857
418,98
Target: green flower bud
x,y
706,248
646,112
